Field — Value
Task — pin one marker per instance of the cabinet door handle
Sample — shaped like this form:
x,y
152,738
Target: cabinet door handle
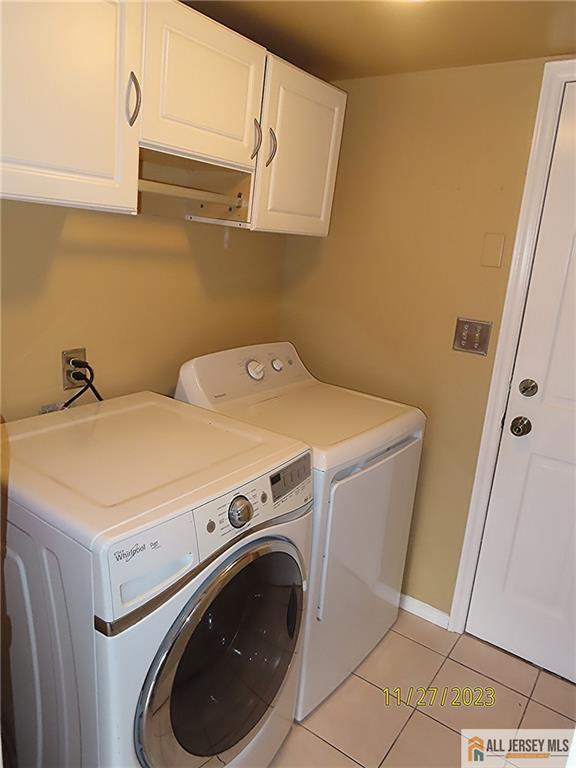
x,y
258,139
274,149
136,84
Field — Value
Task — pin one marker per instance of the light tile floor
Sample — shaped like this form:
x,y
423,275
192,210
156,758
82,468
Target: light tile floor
x,y
358,726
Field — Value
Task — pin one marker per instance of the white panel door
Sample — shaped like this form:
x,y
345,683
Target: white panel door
x,y
524,595
302,119
203,86
67,99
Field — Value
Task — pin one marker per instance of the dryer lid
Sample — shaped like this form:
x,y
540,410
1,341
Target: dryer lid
x,y
268,385
340,424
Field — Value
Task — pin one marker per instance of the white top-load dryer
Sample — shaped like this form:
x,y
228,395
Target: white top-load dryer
x,y
156,568
366,454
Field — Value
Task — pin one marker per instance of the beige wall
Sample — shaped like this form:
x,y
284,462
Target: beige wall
x,y
151,294
430,162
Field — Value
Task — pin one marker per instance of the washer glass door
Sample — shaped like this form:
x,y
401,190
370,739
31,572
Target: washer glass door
x,y
224,659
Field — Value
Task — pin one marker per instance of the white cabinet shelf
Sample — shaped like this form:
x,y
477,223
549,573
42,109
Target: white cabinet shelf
x,y
188,193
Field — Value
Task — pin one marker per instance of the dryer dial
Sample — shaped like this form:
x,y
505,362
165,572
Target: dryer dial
x,y
277,364
240,512
255,370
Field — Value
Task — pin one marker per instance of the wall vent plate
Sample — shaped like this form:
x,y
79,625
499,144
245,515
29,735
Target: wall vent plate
x,y
67,355
472,336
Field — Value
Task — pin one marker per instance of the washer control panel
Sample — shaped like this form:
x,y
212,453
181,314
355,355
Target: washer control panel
x,y
240,511
287,479
255,369
137,567
286,489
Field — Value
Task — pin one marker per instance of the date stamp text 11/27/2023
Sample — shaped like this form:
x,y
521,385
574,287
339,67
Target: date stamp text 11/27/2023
x,y
445,697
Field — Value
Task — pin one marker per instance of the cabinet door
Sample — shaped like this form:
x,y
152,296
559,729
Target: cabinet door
x,y
302,121
67,96
203,86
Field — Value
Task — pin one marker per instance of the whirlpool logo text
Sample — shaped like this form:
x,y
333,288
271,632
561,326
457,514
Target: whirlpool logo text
x,y
127,554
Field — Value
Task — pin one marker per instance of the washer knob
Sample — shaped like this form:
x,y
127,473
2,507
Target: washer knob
x,y
255,370
240,511
277,364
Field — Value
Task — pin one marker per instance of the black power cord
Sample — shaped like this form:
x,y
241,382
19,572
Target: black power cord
x,y
78,375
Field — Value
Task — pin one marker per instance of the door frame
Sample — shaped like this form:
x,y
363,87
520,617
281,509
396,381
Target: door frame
x,y
556,75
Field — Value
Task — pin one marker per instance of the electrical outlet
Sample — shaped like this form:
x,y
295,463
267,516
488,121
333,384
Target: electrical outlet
x,y
67,355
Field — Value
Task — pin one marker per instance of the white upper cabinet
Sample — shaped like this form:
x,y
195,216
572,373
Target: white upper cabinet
x,y
302,120
203,86
86,83
70,89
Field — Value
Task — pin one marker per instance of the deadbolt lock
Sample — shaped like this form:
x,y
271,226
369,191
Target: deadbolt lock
x,y
520,426
528,387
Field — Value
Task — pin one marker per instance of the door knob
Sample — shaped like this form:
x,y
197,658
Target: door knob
x,y
520,426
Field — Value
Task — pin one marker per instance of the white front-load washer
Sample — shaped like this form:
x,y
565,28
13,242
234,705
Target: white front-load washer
x,y
365,456
156,572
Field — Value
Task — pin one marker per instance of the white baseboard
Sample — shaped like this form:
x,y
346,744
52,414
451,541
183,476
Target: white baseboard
x,y
425,611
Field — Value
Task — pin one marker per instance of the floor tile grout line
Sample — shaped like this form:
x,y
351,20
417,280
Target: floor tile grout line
x,y
378,687
423,645
556,712
431,717
451,728
511,655
412,709
411,706
454,661
460,663
369,682
439,722
523,715
535,683
492,679
331,745
503,651
391,747
438,671
506,653
547,706
454,644
414,706
557,677
436,720
424,711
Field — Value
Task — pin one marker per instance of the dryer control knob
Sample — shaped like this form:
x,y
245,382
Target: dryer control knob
x,y
240,511
277,364
255,370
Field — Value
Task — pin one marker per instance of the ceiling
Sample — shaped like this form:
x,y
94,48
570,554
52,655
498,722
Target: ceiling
x,y
359,38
